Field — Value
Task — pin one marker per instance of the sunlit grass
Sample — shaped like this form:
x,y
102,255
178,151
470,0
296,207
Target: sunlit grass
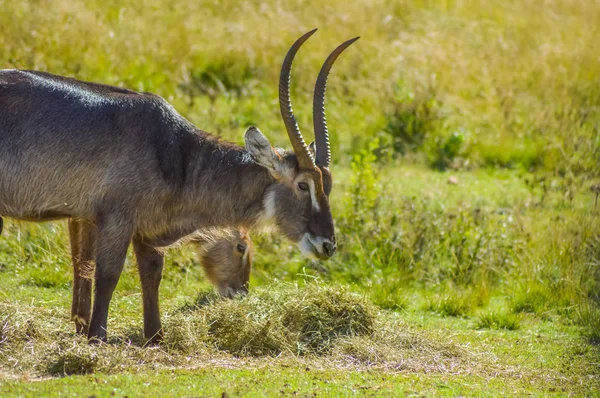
x,y
512,83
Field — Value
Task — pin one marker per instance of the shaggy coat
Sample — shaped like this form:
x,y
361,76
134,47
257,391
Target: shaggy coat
x,y
128,163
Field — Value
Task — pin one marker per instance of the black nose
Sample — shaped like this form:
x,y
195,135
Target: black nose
x,y
329,248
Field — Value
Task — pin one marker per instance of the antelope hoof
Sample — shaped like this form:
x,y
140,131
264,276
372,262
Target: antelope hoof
x,y
81,325
155,339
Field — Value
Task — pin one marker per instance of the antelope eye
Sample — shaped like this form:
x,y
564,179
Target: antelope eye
x,y
241,248
303,186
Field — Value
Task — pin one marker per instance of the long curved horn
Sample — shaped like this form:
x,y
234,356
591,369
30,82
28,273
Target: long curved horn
x,y
305,159
323,151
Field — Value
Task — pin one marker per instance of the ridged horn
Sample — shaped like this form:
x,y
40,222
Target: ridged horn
x,y
323,151
305,159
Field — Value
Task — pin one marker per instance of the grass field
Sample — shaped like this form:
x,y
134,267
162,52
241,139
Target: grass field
x,y
466,136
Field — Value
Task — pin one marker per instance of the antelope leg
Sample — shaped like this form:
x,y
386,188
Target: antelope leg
x,y
83,247
112,239
150,264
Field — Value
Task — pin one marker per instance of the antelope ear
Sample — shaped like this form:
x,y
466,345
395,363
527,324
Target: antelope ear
x,y
313,150
263,152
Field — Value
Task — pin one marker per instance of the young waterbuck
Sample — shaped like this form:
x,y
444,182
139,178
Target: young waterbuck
x,y
131,165
226,257
227,261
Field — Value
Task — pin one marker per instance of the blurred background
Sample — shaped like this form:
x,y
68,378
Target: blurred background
x,y
458,83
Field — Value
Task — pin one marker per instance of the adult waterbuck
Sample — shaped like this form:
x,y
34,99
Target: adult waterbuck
x,y
226,257
131,165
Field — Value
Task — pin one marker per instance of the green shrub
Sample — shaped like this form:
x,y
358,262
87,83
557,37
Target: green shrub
x,y
588,316
498,320
412,120
450,304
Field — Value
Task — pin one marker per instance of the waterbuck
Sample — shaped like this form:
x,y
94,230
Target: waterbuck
x,y
226,257
131,165
227,261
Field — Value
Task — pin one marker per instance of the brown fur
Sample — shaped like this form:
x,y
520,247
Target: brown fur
x,y
227,262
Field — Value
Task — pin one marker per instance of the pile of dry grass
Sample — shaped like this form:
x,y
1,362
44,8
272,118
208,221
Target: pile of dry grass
x,y
328,326
270,322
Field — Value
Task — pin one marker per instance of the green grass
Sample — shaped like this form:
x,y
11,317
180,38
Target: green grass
x,y
265,381
498,320
465,139
399,299
452,304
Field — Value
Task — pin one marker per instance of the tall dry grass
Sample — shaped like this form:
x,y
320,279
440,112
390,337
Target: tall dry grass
x,y
516,80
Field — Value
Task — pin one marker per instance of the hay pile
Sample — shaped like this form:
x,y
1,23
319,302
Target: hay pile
x,y
271,322
322,325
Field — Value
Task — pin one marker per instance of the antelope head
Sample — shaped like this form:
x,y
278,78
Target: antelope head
x,y
298,200
227,261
